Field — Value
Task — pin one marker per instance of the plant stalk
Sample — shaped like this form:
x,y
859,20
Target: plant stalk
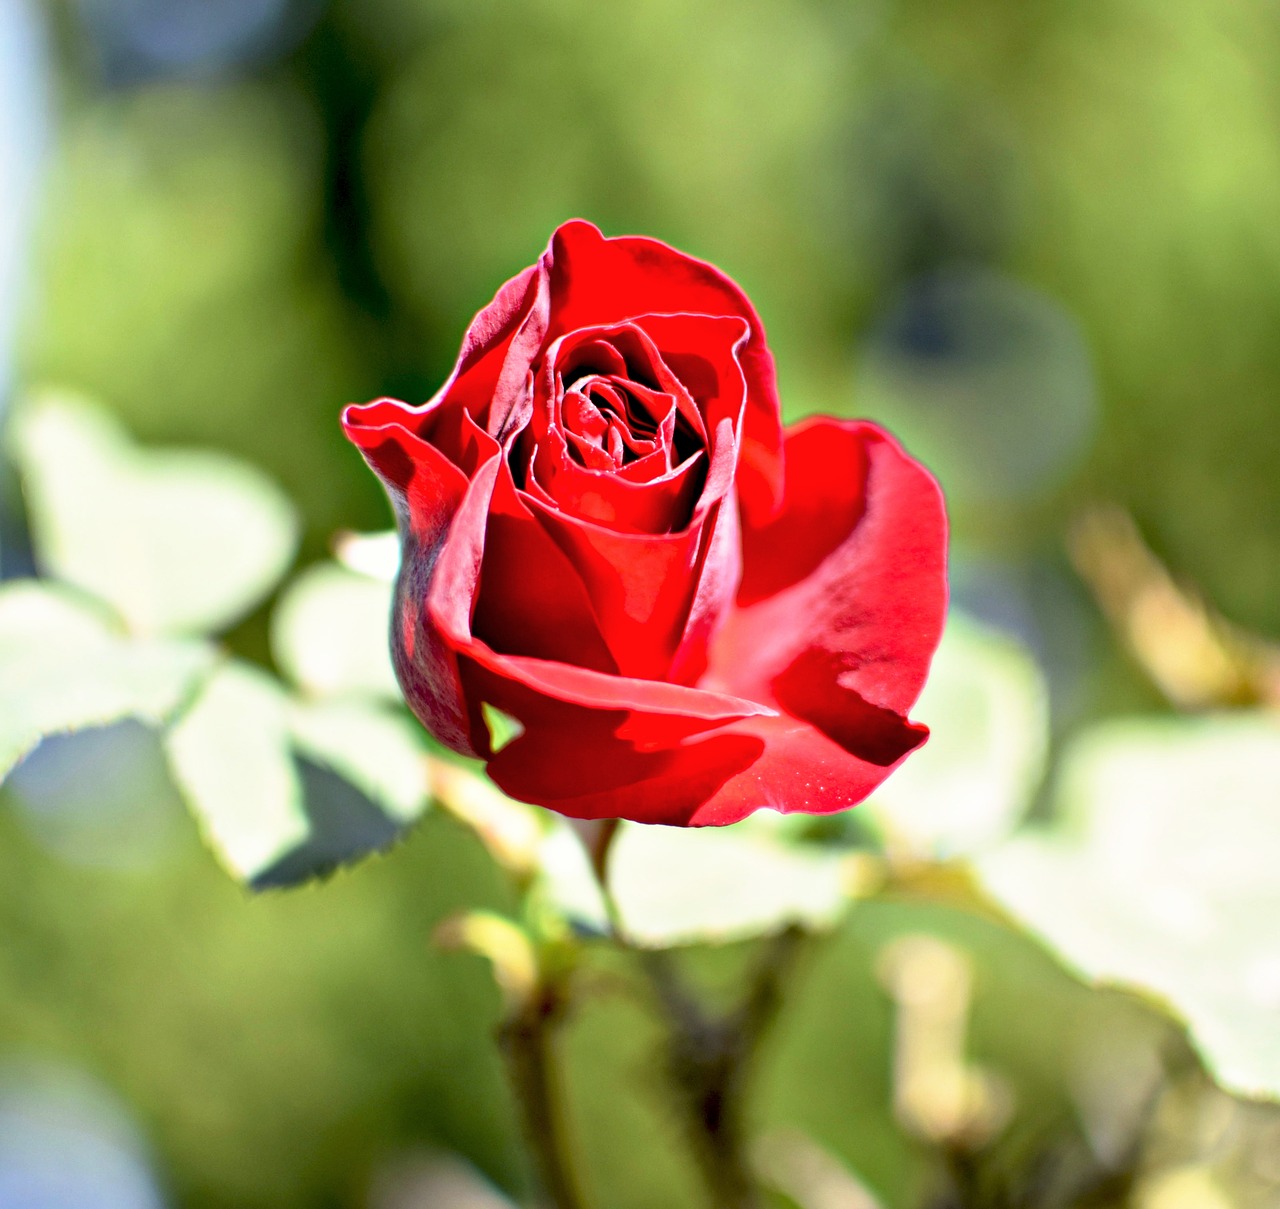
x,y
528,1044
711,1061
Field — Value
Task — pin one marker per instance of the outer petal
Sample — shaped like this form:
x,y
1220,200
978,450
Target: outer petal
x,y
854,567
498,350
488,383
841,645
709,780
599,746
427,493
802,770
594,280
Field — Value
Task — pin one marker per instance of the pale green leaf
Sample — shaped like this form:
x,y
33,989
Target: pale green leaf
x,y
987,709
687,885
379,751
63,668
231,758
288,791
677,885
566,876
1163,878
176,541
329,633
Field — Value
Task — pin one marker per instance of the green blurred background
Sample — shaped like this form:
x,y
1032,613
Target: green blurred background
x,y
1041,241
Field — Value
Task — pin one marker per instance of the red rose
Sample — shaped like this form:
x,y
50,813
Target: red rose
x,y
608,536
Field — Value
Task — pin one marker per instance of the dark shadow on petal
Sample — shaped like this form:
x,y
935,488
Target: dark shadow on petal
x,y
810,689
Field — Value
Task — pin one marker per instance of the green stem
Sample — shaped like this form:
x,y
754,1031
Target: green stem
x,y
710,1060
528,1044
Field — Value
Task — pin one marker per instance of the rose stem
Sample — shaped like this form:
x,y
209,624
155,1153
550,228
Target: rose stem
x,y
528,1045
710,1060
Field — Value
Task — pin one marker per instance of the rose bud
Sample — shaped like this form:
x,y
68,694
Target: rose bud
x,y
608,536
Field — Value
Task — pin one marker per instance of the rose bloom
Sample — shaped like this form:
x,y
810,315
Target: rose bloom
x,y
608,536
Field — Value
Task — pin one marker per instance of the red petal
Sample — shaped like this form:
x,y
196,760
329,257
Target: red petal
x,y
586,766
607,747
705,355
652,705
856,561
531,600
614,500
644,586
595,280
489,379
641,585
801,770
427,492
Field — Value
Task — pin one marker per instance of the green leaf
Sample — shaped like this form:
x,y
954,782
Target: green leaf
x,y
287,792
681,886
684,886
329,633
177,542
381,752
1163,878
987,709
230,757
66,669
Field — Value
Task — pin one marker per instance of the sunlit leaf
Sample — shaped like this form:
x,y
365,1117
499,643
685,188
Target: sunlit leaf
x,y
329,633
66,668
566,878
682,886
672,885
1164,879
177,541
986,706
231,758
286,791
379,751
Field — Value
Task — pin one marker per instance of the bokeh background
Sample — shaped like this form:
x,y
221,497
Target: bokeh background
x,y
1039,241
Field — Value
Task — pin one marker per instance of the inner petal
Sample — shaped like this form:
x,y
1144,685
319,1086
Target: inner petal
x,y
615,438
622,367
623,420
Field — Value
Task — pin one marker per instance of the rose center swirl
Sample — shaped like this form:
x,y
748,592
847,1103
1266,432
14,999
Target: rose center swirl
x,y
615,438
610,422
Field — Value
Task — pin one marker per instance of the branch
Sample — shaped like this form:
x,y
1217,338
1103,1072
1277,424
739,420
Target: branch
x,y
527,1043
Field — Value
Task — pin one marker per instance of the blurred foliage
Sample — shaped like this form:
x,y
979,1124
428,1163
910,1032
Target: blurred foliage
x,y
1139,890
1038,241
